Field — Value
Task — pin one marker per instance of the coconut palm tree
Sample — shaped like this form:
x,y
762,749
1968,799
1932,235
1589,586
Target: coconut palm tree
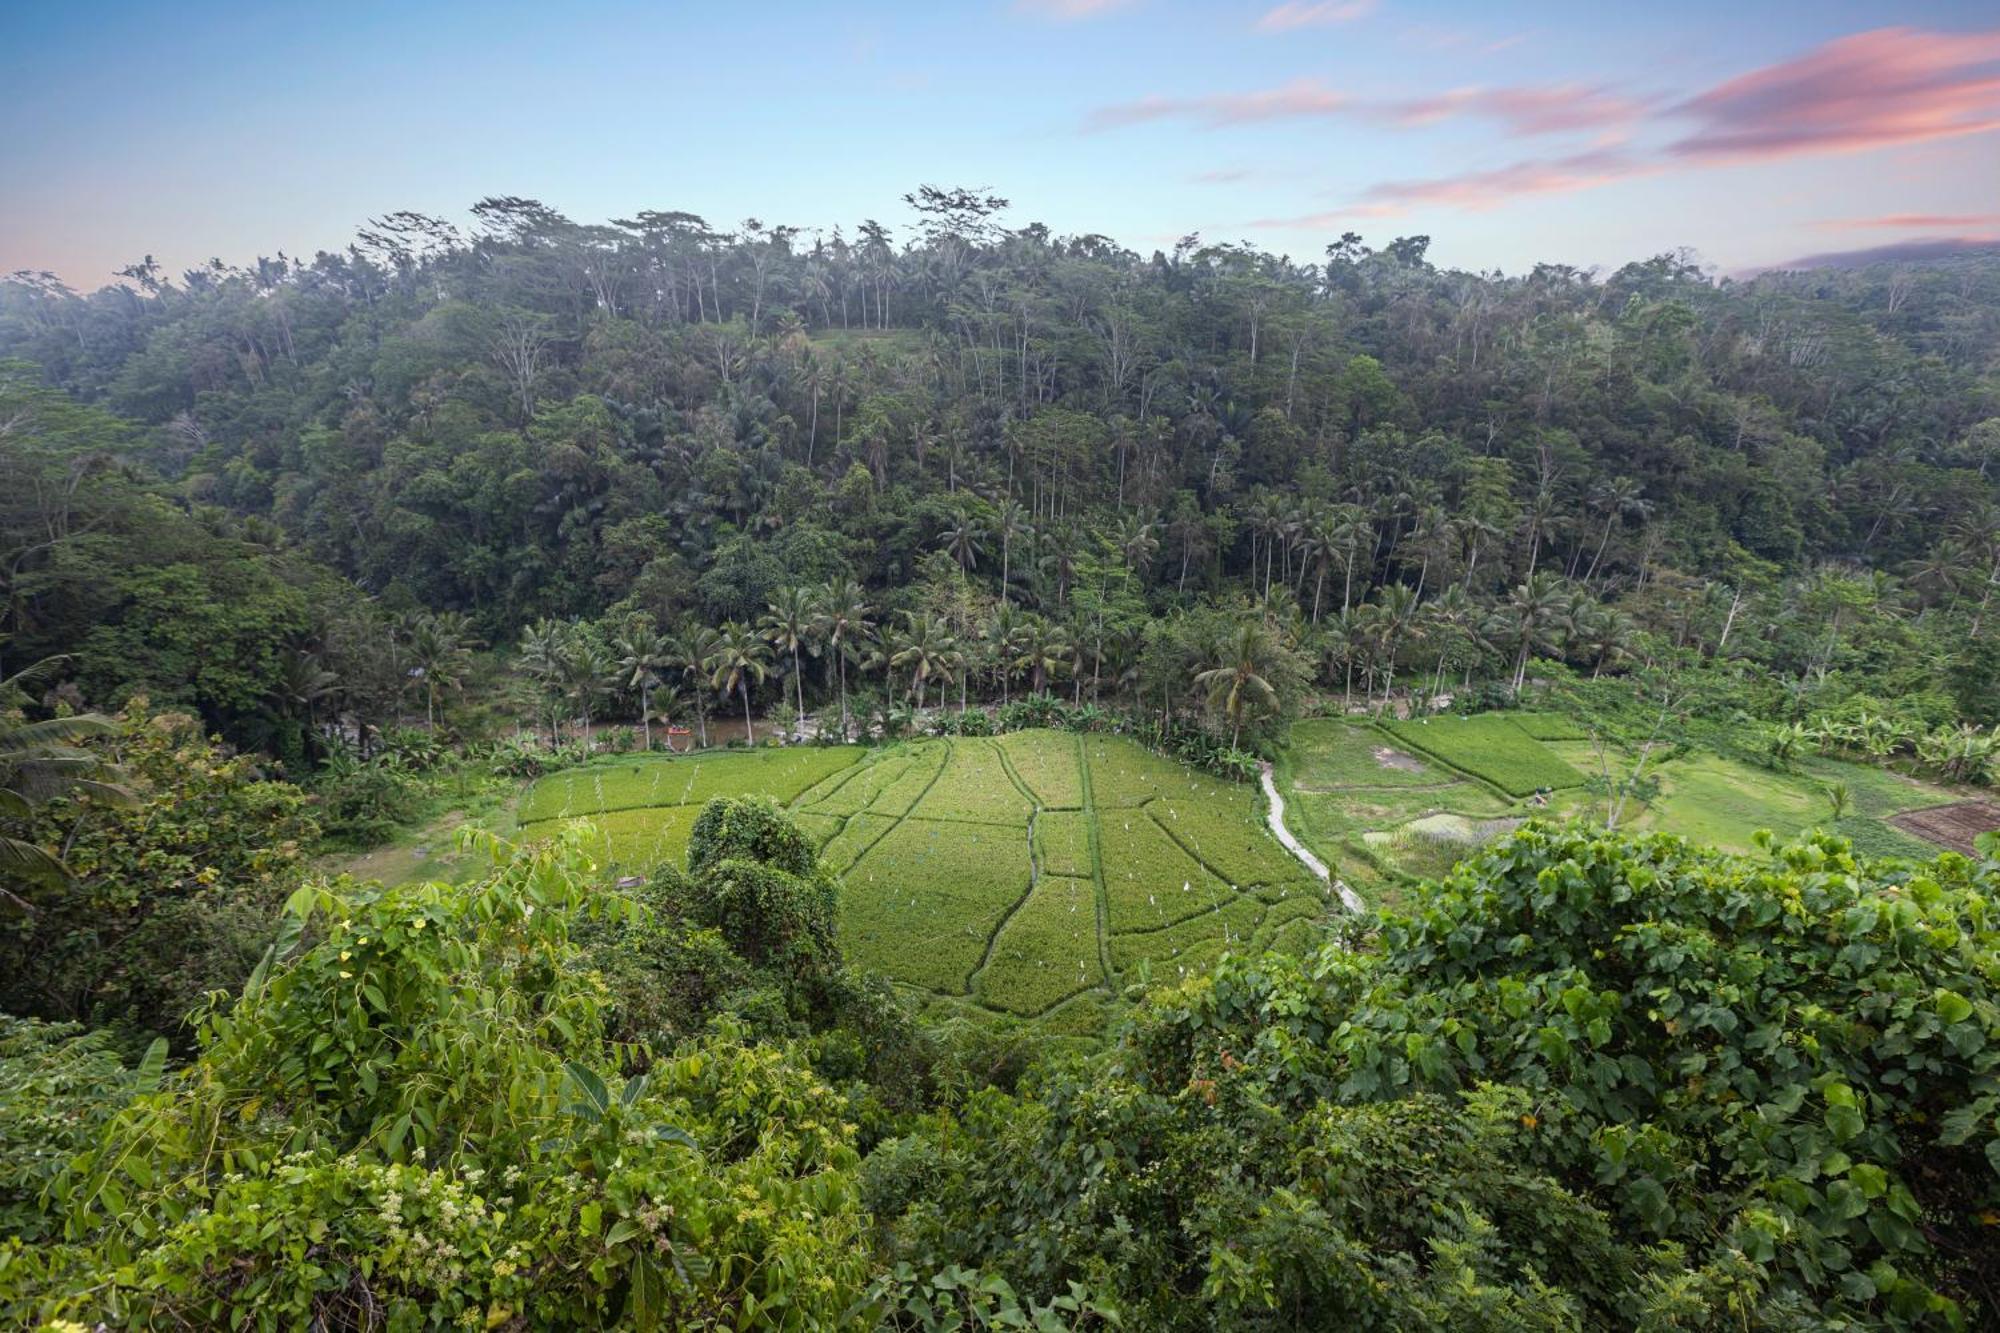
x,y
737,657
541,649
440,654
692,648
963,540
841,620
643,653
926,649
1238,685
1529,619
1040,650
791,625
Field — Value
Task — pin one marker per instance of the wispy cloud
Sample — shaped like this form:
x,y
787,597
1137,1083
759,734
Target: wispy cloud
x,y
1069,11
1222,176
1554,109
1867,90
1475,191
1306,14
1911,222
1301,97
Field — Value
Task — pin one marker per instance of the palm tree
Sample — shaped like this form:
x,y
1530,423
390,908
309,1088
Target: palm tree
x,y
541,657
587,669
690,653
1615,499
926,649
300,686
841,619
962,540
1040,651
1239,683
1011,523
40,761
1528,619
791,626
1138,542
1001,631
643,653
440,653
738,656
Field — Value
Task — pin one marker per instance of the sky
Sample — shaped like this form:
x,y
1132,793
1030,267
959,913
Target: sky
x,y
1590,134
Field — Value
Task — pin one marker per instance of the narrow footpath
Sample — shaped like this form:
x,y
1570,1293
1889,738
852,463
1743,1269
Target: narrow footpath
x,y
1348,897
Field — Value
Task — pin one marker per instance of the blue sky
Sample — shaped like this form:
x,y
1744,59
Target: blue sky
x,y
1581,133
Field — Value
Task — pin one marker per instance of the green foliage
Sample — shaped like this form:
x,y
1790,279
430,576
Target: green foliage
x,y
755,878
173,893
1489,746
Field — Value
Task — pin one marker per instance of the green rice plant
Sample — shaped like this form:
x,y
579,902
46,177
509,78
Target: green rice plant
x,y
900,796
865,783
1047,949
1550,726
1226,831
1149,881
1489,746
975,787
634,782
1303,889
857,835
1049,762
1328,754
1125,773
922,903
820,828
1062,842
1298,907
632,841
1232,924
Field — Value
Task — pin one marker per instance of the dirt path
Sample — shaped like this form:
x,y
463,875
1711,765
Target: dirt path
x,y
1348,897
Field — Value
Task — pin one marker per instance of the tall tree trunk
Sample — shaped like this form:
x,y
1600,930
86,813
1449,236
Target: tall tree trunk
x,y
749,732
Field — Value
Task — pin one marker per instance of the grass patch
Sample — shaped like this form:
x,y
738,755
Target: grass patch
x,y
1149,881
1231,925
1326,753
1047,762
855,837
1062,842
632,841
1550,726
975,787
899,796
1046,950
1491,747
922,903
1226,830
1124,773
631,782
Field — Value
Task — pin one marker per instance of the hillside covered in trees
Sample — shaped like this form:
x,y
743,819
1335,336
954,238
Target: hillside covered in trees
x,y
440,537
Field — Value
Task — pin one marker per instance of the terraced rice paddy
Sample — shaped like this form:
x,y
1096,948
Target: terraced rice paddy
x,y
1031,874
1392,803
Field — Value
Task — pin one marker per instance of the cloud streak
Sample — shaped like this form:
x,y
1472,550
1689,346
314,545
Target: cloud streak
x,y
1524,111
1069,11
1866,90
1477,191
1323,14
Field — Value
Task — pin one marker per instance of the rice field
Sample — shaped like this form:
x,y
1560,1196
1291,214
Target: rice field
x,y
1021,875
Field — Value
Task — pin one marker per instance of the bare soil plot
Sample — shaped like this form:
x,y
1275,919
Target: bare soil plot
x,y
1954,826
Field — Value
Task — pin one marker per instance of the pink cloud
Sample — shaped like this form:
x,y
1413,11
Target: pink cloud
x,y
1308,14
1301,97
1069,11
1475,191
1557,109
1912,221
1867,90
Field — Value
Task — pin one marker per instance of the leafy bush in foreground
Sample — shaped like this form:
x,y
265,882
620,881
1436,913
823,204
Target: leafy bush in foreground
x,y
1592,1081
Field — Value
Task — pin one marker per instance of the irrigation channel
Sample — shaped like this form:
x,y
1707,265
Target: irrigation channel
x,y
1276,816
